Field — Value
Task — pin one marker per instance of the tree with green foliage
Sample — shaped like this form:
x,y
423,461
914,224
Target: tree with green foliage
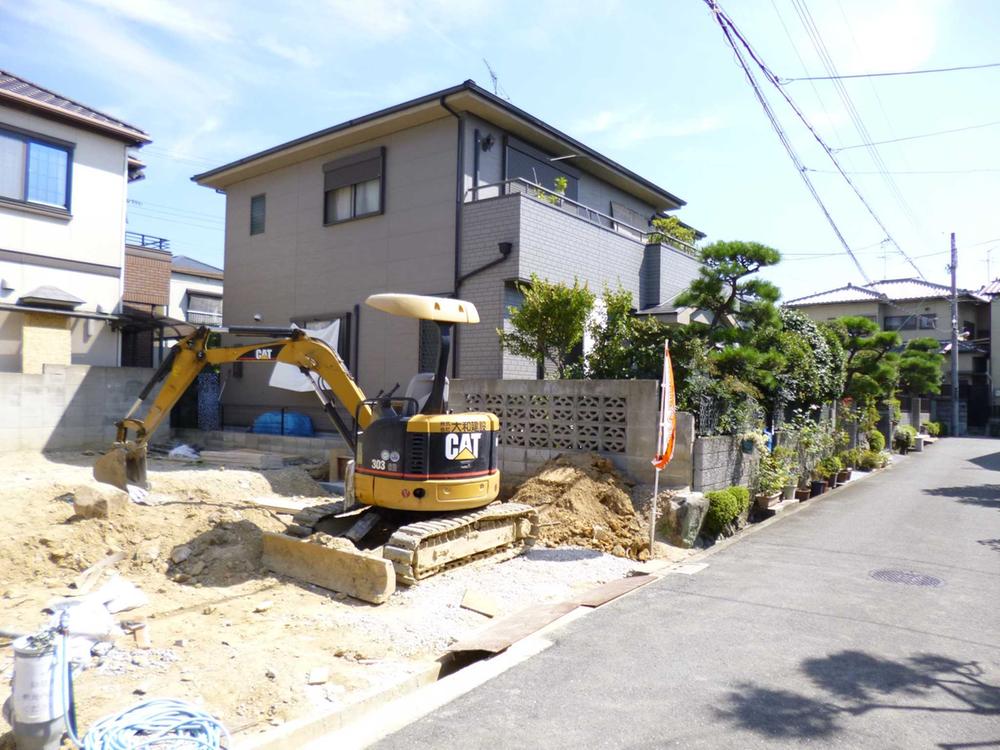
x,y
738,364
549,323
920,367
625,345
871,366
667,229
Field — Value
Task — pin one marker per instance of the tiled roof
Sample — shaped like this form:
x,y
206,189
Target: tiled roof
x,y
991,288
184,264
17,90
52,296
849,293
887,290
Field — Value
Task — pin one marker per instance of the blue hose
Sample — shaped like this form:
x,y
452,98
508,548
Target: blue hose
x,y
155,723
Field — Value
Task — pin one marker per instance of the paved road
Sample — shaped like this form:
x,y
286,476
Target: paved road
x,y
786,639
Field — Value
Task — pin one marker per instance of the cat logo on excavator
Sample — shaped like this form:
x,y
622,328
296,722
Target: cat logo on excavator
x,y
462,447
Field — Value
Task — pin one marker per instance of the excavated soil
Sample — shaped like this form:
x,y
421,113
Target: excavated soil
x,y
232,637
582,500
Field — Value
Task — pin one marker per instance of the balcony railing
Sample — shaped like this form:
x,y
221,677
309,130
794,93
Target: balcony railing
x,y
519,185
136,239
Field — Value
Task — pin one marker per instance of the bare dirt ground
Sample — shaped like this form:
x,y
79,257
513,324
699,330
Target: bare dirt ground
x,y
229,635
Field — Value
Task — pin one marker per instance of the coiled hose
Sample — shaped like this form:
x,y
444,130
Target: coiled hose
x,y
162,723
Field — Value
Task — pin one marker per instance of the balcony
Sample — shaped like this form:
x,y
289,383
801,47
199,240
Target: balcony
x,y
559,202
136,239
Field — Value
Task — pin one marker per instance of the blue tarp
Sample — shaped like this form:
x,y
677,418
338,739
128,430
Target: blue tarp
x,y
296,424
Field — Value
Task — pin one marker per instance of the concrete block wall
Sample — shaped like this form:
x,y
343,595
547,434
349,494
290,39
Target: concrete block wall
x,y
719,462
541,419
66,407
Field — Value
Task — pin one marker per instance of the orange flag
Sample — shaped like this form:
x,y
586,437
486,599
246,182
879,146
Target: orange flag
x,y
668,414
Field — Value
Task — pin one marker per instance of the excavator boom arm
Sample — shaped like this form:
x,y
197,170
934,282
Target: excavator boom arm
x,y
126,462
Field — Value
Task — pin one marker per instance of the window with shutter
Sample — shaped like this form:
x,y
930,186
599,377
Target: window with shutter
x,y
353,186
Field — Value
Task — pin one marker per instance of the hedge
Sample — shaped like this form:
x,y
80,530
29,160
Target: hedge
x,y
724,506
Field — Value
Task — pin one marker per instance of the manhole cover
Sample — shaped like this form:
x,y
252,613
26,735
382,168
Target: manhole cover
x,y
905,577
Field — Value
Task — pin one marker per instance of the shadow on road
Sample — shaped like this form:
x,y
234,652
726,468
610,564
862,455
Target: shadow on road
x,y
853,683
989,461
986,495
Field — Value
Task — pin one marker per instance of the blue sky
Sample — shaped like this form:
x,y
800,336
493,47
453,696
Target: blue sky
x,y
651,84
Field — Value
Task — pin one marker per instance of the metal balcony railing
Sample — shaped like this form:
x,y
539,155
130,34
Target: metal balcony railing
x,y
519,185
136,239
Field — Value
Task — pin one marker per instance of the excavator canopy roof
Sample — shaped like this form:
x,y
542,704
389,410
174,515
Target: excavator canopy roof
x,y
442,309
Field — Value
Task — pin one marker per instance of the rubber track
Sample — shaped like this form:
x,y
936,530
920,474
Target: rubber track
x,y
304,522
402,547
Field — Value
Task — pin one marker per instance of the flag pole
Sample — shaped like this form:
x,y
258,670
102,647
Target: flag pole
x,y
664,437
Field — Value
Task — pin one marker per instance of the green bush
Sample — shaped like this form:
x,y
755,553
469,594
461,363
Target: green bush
x,y
904,438
828,467
849,459
870,460
933,428
724,506
876,440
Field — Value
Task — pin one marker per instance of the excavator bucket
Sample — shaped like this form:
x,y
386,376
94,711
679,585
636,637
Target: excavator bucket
x,y
121,466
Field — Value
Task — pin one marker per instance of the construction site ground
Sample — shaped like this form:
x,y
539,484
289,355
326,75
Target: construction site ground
x,y
253,648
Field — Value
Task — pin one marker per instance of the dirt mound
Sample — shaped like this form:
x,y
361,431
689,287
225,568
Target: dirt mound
x,y
583,501
223,540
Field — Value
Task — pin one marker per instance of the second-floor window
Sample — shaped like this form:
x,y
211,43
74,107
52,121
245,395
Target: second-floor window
x,y
33,170
204,309
258,211
353,186
910,322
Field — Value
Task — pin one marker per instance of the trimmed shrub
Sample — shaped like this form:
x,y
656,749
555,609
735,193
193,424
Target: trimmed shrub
x,y
876,440
828,467
869,460
933,428
904,438
724,507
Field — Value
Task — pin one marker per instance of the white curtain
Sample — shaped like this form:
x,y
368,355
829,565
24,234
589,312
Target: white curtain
x,y
288,376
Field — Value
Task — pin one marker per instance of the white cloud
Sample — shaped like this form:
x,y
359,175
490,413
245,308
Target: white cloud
x,y
298,54
626,127
198,23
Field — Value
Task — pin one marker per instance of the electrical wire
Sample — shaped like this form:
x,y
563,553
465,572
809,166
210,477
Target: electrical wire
x,y
816,37
730,31
867,144
989,170
891,73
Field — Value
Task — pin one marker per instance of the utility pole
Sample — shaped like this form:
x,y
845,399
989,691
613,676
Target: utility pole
x,y
954,338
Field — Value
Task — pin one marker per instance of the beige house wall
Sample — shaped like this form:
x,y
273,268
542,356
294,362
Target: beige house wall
x,y
300,268
821,313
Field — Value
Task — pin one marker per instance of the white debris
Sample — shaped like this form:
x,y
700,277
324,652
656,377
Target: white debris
x,y
184,451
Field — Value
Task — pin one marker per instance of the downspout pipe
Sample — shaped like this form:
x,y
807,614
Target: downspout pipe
x,y
459,196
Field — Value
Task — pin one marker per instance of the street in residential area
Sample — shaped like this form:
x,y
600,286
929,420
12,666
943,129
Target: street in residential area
x,y
867,620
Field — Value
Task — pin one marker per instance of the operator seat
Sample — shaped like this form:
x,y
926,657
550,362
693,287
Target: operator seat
x,y
420,386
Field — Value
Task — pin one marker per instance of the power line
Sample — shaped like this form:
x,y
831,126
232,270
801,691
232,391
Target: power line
x,y
727,25
985,170
891,73
728,31
922,135
814,34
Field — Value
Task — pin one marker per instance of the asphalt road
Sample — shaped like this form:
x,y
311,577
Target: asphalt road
x,y
787,639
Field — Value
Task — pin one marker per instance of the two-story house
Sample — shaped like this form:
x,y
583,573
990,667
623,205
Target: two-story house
x,y
920,309
457,193
64,171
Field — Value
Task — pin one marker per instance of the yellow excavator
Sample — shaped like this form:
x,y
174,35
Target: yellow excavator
x,y
425,476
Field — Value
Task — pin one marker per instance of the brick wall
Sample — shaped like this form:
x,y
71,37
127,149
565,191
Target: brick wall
x,y
147,276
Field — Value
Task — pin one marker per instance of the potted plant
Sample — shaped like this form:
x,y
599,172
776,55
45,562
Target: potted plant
x,y
828,469
788,460
803,491
770,479
848,459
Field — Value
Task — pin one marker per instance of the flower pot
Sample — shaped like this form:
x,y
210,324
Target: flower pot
x,y
844,476
803,494
817,487
766,501
788,492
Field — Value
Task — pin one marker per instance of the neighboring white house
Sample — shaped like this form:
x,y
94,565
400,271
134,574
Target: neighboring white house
x,y
195,291
64,171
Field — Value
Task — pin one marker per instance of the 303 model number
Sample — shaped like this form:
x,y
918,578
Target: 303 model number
x,y
378,463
